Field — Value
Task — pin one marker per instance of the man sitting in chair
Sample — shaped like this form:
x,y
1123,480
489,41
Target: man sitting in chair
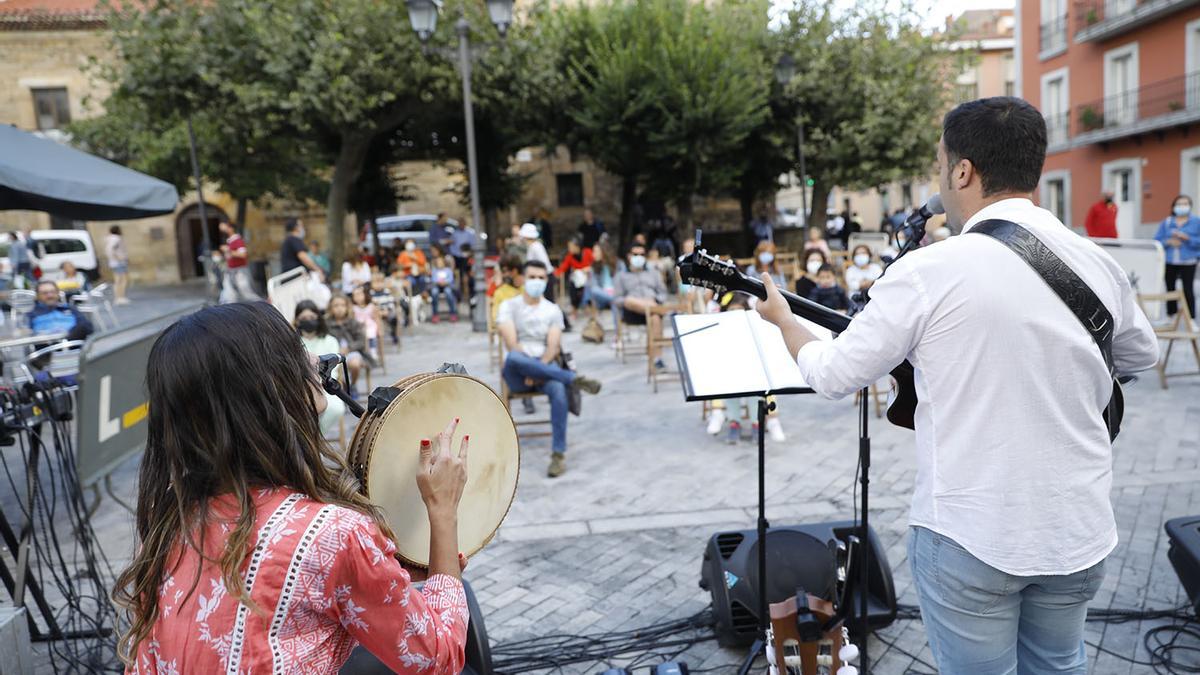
x,y
532,328
637,289
51,315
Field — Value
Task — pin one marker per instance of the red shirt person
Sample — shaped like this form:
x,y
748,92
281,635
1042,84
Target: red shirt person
x,y
1102,218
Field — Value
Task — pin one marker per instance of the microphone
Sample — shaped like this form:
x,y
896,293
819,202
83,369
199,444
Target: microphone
x,y
918,218
915,225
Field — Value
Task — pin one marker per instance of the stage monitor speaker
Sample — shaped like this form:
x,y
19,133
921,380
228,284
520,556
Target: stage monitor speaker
x,y
797,556
1184,554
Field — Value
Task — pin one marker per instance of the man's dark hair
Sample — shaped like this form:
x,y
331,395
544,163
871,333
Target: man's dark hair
x,y
826,268
536,264
511,262
291,224
44,282
1004,137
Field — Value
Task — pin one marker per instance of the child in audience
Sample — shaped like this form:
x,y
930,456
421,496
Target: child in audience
x,y
827,292
742,413
443,286
386,303
366,313
816,242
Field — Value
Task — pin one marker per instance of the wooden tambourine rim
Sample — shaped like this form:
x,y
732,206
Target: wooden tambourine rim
x,y
374,424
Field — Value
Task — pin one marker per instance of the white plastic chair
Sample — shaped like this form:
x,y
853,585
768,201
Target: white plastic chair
x,y
99,294
22,302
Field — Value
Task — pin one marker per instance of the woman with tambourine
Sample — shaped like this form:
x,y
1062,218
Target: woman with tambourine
x,y
256,552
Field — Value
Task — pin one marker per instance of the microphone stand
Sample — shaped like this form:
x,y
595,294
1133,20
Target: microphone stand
x,y
326,370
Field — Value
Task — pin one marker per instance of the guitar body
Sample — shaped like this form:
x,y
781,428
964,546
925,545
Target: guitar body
x,y
701,269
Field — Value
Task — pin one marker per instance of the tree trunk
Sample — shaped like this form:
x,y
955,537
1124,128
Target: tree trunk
x,y
345,171
746,206
816,206
491,224
628,202
241,214
684,206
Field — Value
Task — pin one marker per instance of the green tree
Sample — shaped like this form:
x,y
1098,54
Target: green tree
x,y
869,89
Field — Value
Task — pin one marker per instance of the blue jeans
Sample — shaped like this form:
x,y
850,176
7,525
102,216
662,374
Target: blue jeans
x,y
982,621
447,292
553,382
603,300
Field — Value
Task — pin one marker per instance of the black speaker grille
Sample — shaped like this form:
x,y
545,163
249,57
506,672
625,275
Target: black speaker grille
x,y
728,542
744,621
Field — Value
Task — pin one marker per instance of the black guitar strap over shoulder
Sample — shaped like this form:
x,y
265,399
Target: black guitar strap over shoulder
x,y
1066,284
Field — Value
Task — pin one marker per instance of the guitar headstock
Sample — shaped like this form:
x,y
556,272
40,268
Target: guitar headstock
x,y
706,271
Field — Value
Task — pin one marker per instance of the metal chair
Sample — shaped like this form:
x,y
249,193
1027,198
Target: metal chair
x,y
64,359
99,294
22,302
86,305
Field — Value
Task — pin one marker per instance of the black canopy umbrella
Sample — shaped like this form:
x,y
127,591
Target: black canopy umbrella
x,y
39,174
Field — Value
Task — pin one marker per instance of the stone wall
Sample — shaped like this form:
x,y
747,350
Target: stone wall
x,y
48,59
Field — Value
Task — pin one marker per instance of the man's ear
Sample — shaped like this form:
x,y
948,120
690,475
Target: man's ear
x,y
962,174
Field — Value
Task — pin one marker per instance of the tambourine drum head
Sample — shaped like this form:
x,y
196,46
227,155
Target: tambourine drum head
x,y
422,411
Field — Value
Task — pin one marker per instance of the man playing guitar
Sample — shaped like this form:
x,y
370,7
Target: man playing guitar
x,y
1010,519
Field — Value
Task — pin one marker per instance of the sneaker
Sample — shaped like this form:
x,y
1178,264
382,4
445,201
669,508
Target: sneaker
x,y
435,319
122,301
527,404
453,318
659,365
775,429
716,421
558,465
587,384
735,433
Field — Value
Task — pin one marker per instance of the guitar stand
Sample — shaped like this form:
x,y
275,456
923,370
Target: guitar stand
x,y
864,566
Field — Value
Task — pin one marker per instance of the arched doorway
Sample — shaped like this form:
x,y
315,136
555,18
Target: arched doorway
x,y
189,238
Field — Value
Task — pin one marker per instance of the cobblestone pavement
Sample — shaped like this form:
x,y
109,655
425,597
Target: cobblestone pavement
x,y
617,542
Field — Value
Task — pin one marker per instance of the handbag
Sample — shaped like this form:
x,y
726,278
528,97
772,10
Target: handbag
x,y
593,331
574,397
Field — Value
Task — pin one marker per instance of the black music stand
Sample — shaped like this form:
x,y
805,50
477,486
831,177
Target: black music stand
x,y
699,378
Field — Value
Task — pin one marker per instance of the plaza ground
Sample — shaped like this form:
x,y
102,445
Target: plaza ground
x,y
617,542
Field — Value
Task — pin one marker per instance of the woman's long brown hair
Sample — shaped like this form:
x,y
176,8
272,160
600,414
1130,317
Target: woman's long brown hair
x,y
231,410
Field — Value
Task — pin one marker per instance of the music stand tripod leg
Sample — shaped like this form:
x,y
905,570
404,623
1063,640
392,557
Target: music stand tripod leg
x,y
764,619
864,458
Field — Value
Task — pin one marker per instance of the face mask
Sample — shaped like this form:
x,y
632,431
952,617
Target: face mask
x,y
308,325
862,259
766,257
1181,210
812,266
535,287
685,288
410,246
827,284
637,262
300,233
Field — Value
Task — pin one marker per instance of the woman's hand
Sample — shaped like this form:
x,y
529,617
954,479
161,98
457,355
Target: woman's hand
x,y
442,473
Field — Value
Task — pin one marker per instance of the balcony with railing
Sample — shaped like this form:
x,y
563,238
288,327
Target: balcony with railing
x,y
1103,19
1052,37
1058,131
1160,105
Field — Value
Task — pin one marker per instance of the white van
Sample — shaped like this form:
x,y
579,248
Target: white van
x,y
51,249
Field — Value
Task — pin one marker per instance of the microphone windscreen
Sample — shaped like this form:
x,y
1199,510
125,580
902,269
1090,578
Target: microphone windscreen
x,y
934,205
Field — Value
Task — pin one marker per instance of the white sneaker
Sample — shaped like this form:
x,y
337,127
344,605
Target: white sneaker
x,y
716,421
775,429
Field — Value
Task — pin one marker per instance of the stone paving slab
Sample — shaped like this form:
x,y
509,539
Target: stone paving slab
x,y
617,542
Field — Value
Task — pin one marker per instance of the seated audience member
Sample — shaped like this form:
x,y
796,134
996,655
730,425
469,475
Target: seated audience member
x,y
764,261
574,269
51,315
412,265
638,289
73,282
741,412
827,292
367,313
601,280
861,273
351,339
816,242
321,260
385,302
309,322
512,283
442,285
813,262
531,327
355,272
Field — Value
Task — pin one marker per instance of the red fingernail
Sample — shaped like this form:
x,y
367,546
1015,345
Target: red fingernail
x,y
456,419
424,442
467,437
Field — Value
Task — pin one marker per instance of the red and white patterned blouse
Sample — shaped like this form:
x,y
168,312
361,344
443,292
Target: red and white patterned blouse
x,y
324,580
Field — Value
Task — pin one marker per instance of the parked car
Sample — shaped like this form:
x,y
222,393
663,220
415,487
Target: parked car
x,y
395,230
51,249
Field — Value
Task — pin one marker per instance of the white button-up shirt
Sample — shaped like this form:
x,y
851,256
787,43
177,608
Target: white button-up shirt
x,y
1013,459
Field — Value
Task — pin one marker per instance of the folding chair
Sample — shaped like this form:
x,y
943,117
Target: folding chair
x,y
626,336
99,295
495,342
1178,329
509,396
663,343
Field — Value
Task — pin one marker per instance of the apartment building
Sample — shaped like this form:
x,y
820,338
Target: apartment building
x,y
1119,84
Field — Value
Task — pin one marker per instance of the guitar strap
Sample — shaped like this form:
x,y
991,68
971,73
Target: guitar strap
x,y
1066,284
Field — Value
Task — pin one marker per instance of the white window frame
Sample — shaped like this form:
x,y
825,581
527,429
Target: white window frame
x,y
1188,171
1191,63
1134,164
1111,56
1063,74
1044,192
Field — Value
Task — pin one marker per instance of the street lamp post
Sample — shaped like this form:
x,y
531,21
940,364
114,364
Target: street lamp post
x,y
423,15
785,69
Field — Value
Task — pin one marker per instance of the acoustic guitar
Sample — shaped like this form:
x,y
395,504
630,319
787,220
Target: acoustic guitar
x,y
702,269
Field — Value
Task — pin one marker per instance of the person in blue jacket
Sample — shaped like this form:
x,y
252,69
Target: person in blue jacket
x,y
1179,234
51,315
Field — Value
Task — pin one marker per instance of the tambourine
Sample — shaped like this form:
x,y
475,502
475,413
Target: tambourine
x,y
385,452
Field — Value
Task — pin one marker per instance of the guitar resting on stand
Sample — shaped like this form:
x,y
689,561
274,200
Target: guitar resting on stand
x,y
704,270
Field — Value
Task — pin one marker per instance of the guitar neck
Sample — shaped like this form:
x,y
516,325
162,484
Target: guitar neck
x,y
801,307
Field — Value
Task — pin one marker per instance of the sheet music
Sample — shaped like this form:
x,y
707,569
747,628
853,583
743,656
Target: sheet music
x,y
736,354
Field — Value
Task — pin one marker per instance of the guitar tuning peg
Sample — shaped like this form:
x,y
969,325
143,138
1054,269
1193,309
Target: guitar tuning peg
x,y
847,670
848,652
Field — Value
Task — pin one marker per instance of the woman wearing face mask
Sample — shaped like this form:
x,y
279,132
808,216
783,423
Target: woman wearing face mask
x,y
255,551
813,262
1179,235
862,272
764,261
